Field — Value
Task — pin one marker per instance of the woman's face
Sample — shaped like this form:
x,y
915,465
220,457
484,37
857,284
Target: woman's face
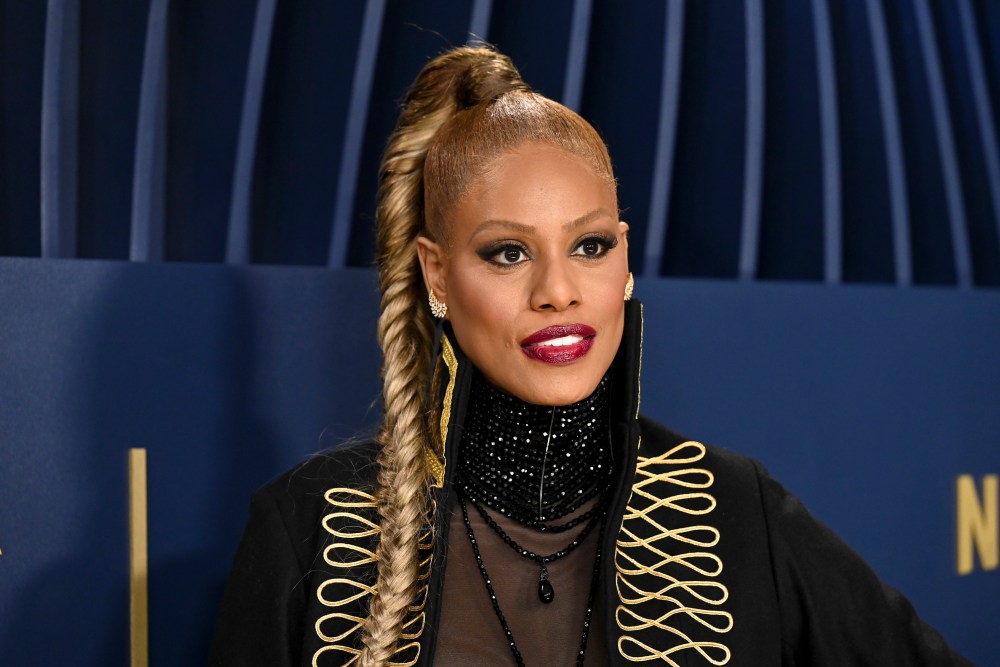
x,y
533,273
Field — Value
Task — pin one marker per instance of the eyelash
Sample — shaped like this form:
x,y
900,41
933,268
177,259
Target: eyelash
x,y
606,243
489,254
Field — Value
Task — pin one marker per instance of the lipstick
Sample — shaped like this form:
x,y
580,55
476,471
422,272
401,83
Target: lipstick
x,y
559,345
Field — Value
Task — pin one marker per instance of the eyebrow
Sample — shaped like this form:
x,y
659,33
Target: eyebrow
x,y
528,229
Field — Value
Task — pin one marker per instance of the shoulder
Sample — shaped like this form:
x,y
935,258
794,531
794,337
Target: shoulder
x,y
298,499
262,616
351,465
730,468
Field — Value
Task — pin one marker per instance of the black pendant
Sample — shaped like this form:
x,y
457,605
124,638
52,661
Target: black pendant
x,y
545,591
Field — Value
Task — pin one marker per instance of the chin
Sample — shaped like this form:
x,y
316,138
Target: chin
x,y
557,391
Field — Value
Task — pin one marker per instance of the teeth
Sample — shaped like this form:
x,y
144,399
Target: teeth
x,y
560,342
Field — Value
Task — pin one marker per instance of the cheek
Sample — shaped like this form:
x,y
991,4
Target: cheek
x,y
605,291
608,306
482,309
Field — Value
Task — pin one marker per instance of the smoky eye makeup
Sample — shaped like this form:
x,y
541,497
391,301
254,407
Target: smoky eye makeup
x,y
595,246
503,254
509,253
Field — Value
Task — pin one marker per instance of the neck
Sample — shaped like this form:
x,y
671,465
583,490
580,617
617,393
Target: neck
x,y
534,463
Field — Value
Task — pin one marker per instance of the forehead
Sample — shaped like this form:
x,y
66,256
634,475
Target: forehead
x,y
534,184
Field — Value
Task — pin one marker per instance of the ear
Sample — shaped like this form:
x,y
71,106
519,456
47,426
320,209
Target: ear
x,y
434,265
623,238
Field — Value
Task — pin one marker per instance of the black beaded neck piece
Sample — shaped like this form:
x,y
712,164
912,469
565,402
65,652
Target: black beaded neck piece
x,y
534,463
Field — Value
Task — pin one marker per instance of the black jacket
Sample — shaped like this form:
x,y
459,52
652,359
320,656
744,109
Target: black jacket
x,y
713,561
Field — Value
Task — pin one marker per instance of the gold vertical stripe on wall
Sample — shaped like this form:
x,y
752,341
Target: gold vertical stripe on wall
x,y
138,558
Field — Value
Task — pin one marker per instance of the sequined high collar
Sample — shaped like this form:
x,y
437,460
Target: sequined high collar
x,y
534,463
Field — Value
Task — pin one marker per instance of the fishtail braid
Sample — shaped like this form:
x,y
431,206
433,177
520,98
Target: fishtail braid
x,y
459,79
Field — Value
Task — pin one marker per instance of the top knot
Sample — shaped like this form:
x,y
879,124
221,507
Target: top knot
x,y
483,75
464,77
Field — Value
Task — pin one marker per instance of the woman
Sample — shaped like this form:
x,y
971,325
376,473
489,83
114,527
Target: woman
x,y
518,508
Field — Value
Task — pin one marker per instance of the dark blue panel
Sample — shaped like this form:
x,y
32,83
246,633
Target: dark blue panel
x,y
867,216
226,376
22,41
866,402
791,243
753,150
479,21
576,55
666,138
412,33
933,261
987,13
536,36
707,194
928,38
301,133
208,61
987,20
238,230
149,177
982,226
354,132
60,117
829,107
112,35
622,101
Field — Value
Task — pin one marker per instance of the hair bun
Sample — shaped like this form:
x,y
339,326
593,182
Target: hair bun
x,y
484,74
462,78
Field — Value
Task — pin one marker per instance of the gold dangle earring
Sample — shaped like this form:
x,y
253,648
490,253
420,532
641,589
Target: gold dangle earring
x,y
438,308
629,286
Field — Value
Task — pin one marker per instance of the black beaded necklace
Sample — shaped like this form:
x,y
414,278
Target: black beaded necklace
x,y
584,635
535,464
546,591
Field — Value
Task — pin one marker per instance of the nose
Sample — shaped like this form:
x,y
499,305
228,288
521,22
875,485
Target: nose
x,y
555,286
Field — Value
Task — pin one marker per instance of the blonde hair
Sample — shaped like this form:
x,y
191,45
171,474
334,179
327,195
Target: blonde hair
x,y
466,145
466,107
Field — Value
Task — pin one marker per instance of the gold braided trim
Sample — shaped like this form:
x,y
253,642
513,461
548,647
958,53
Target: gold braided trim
x,y
671,573
353,547
435,463
435,467
638,374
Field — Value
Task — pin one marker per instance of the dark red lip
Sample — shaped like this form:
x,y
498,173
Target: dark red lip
x,y
548,333
563,354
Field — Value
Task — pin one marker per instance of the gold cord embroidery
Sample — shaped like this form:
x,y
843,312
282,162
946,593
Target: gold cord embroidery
x,y
638,373
435,463
353,546
669,571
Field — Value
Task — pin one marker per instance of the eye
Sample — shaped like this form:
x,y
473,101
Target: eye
x,y
511,255
505,254
595,246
